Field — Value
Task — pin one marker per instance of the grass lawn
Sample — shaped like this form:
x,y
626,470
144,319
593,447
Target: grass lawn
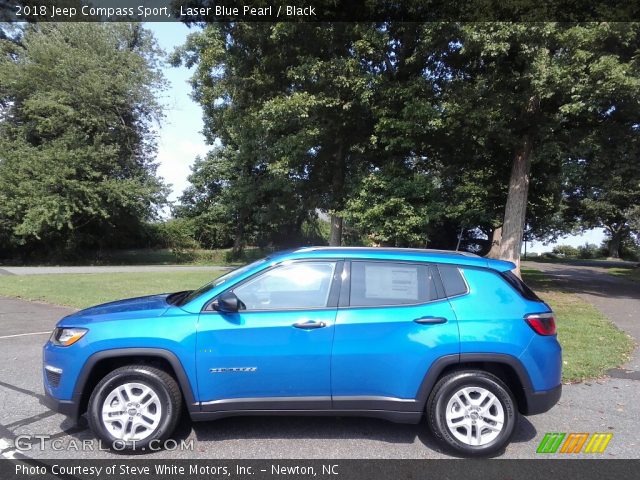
x,y
84,290
628,273
591,343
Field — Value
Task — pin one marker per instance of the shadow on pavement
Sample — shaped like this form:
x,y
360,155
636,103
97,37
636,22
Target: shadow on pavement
x,y
355,428
303,428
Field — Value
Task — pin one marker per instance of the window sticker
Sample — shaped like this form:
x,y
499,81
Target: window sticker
x,y
391,281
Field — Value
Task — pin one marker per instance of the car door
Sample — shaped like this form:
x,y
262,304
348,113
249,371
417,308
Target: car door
x,y
392,324
275,351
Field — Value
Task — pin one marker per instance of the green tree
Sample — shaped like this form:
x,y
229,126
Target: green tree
x,y
605,181
481,121
394,207
288,104
220,187
539,89
434,103
633,213
77,143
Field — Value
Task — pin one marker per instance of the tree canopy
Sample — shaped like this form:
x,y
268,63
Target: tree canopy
x,y
443,135
77,141
422,134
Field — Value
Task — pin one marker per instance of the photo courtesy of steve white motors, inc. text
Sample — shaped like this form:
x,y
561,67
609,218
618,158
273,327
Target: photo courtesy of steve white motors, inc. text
x,y
168,469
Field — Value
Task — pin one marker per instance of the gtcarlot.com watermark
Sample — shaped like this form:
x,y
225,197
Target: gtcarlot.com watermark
x,y
25,443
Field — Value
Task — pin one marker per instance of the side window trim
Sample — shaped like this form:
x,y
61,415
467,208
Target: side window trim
x,y
464,279
336,285
345,290
332,289
435,271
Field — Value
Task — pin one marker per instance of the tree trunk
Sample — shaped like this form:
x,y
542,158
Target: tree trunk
x,y
516,207
459,238
337,187
238,238
615,243
335,239
496,237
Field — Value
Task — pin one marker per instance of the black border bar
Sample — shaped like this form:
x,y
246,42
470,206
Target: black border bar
x,y
327,469
204,11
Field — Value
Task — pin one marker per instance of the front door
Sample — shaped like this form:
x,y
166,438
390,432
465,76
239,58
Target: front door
x,y
275,351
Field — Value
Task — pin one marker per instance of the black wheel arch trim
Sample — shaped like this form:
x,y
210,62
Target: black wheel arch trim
x,y
533,401
174,361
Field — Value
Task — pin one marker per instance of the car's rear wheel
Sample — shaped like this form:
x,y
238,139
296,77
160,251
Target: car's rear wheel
x,y
472,413
133,406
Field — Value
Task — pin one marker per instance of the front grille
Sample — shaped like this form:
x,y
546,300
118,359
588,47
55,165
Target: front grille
x,y
53,378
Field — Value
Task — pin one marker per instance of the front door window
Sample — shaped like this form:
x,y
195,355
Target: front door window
x,y
295,286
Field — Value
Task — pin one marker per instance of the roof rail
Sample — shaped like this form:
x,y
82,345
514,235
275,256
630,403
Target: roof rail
x,y
390,249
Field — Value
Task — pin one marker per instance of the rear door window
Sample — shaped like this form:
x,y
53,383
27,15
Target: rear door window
x,y
390,283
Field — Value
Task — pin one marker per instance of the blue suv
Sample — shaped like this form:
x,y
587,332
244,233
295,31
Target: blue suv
x,y
397,334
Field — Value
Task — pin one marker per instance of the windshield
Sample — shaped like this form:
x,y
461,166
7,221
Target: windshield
x,y
219,281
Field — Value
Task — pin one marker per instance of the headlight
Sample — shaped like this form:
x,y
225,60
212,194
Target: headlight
x,y
67,336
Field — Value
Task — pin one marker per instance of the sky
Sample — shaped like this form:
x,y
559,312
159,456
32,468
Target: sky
x,y
180,139
594,236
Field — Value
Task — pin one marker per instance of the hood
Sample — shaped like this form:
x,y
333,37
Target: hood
x,y
139,307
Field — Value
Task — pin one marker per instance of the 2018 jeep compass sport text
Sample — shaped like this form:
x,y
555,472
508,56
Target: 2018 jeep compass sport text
x,y
389,333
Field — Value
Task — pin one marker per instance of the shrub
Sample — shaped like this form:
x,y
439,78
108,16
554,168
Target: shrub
x,y
177,234
566,251
589,250
630,250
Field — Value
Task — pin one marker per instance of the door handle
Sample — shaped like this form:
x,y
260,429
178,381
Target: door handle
x,y
430,320
309,325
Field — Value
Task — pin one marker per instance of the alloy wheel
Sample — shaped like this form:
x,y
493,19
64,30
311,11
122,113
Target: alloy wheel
x,y
131,411
474,416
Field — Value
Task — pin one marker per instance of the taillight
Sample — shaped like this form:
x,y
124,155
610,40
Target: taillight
x,y
542,323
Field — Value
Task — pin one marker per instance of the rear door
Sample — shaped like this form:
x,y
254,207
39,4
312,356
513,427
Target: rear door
x,y
392,324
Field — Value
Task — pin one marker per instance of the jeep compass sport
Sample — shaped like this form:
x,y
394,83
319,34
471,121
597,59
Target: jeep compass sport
x,y
391,333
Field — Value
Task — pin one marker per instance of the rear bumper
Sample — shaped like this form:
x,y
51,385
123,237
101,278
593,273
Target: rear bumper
x,y
542,400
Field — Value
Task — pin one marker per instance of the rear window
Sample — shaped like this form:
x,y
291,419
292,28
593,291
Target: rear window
x,y
390,283
452,280
520,286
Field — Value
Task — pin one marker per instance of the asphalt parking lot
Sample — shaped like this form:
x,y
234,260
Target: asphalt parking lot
x,y
609,405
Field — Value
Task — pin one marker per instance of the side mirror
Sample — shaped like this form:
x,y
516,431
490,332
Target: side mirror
x,y
227,302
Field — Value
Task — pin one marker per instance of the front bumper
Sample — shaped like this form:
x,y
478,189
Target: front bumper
x,y
59,373
542,400
70,408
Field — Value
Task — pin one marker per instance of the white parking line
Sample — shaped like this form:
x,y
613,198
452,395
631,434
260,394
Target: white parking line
x,y
25,334
5,444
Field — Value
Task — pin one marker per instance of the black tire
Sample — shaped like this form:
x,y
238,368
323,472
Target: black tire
x,y
445,389
164,386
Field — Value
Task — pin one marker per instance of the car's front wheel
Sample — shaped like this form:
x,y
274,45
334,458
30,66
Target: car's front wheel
x,y
133,406
472,413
